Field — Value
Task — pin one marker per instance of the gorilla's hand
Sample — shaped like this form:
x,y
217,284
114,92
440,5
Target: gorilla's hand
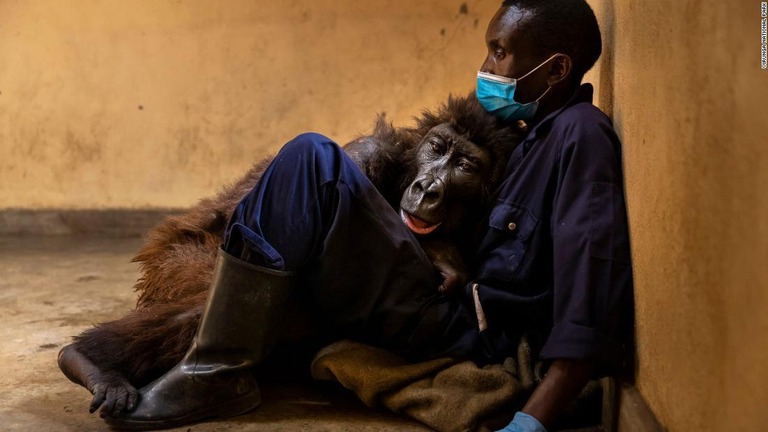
x,y
453,278
447,259
111,390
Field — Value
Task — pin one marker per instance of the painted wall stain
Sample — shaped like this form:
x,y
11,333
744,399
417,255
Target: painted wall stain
x,y
78,150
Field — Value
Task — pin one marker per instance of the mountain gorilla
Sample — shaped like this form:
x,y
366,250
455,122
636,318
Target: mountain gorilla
x,y
438,175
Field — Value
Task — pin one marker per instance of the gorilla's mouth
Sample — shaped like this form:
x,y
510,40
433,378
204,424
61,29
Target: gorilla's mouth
x,y
417,225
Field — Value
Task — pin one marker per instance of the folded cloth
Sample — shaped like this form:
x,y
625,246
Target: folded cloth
x,y
445,394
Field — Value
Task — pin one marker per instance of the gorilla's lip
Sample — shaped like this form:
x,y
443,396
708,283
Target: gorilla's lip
x,y
417,225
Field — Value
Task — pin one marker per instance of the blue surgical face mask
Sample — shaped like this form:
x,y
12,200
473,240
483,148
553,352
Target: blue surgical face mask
x,y
497,95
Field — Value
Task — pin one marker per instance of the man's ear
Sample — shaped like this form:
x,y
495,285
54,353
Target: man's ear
x,y
560,69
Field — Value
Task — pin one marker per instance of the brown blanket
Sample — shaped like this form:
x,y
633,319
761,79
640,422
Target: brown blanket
x,y
445,394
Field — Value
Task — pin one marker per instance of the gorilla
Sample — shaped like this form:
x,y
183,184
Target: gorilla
x,y
438,175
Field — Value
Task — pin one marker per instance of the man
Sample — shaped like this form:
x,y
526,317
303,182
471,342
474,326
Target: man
x,y
553,258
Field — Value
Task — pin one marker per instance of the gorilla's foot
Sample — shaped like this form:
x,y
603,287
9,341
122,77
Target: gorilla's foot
x,y
180,398
111,390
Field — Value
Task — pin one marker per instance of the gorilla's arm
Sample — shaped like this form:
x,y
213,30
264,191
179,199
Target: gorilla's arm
x,y
113,358
109,388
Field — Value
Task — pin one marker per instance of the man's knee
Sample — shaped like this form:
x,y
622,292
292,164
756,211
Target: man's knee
x,y
308,146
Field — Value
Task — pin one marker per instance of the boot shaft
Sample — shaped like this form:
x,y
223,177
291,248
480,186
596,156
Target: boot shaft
x,y
243,315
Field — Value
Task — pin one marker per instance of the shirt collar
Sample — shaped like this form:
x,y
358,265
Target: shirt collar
x,y
582,94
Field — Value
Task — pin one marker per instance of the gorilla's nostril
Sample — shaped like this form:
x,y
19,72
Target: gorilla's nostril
x,y
431,195
425,184
434,188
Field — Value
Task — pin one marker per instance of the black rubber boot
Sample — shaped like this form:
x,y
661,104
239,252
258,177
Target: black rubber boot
x,y
239,326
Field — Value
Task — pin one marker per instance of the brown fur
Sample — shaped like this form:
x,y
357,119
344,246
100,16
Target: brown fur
x,y
178,256
147,342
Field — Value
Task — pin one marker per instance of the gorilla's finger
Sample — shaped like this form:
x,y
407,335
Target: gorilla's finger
x,y
450,284
98,398
133,396
109,405
122,400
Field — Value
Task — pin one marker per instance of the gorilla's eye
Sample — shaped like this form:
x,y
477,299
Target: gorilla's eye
x,y
467,166
436,146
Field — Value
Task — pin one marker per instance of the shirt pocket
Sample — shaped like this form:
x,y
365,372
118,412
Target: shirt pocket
x,y
512,225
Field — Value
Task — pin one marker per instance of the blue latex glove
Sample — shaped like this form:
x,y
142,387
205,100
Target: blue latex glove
x,y
524,423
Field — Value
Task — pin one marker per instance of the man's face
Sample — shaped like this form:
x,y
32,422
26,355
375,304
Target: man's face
x,y
511,54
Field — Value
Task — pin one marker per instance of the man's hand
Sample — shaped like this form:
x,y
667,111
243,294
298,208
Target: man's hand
x,y
524,423
563,382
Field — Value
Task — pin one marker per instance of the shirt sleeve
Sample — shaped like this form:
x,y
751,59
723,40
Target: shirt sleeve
x,y
592,290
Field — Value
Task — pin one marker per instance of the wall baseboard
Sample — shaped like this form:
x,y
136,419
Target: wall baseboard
x,y
112,222
634,414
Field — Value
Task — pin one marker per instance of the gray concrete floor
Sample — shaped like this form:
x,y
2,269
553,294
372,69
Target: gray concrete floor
x,y
52,288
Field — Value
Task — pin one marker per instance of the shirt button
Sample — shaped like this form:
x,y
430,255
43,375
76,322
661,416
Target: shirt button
x,y
512,226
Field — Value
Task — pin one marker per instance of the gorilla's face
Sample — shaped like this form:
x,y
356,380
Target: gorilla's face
x,y
451,173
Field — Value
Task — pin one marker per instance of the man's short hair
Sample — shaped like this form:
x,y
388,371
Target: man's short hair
x,y
564,26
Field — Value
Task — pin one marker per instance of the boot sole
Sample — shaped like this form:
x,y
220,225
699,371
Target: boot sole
x,y
224,410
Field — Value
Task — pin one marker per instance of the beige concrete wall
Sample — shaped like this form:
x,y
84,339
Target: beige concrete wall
x,y
683,82
156,103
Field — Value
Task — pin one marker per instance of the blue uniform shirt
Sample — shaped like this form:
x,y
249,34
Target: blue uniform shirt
x,y
555,256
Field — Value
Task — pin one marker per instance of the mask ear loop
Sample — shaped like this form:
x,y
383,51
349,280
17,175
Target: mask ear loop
x,y
542,95
534,70
537,67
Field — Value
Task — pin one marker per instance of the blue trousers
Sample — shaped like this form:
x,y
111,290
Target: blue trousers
x,y
315,213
